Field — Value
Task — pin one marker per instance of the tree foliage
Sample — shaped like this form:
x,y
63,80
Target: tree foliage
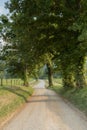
x,y
56,30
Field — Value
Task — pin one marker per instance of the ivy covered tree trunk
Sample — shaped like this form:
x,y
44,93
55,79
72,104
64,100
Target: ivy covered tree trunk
x,y
68,81
50,75
67,75
79,74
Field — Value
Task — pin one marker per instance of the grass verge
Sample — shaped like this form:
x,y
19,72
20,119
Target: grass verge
x,y
12,98
76,97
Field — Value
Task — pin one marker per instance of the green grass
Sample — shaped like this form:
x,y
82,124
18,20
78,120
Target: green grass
x,y
11,98
76,97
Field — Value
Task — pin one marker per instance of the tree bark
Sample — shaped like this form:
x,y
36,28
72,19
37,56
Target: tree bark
x,y
79,74
67,74
26,82
1,81
50,76
67,79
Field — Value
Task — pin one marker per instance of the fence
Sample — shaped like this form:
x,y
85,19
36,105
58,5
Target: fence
x,y
11,82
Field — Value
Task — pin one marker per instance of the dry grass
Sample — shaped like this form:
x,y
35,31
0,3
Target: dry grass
x,y
12,98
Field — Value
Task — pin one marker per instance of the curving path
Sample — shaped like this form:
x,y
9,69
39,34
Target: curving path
x,y
47,111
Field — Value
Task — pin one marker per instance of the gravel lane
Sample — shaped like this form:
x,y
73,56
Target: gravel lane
x,y
45,110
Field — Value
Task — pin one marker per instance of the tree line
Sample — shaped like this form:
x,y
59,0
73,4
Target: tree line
x,y
46,32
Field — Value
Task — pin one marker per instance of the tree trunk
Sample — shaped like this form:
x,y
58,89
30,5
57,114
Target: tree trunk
x,y
26,82
79,74
67,75
80,80
50,76
68,81
1,81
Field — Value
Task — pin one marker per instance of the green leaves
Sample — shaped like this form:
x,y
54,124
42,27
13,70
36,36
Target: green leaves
x,y
47,31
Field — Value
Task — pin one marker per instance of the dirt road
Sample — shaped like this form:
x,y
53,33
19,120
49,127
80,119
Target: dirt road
x,y
47,111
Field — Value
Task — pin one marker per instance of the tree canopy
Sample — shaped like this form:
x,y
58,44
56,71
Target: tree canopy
x,y
47,32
